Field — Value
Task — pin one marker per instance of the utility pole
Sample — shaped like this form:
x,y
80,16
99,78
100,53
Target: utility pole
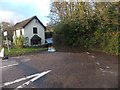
x,y
7,44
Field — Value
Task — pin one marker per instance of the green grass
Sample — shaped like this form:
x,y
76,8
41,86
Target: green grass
x,y
0,48
22,51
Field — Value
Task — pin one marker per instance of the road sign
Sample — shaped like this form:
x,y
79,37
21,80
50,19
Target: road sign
x,y
5,33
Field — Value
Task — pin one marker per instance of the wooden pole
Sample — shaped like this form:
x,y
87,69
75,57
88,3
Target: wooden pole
x,y
7,44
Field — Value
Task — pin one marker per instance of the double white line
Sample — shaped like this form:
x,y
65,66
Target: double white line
x,y
34,78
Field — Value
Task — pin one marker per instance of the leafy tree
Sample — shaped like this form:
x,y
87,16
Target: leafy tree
x,y
7,26
86,24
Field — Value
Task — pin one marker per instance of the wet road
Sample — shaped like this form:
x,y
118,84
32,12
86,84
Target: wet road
x,y
68,70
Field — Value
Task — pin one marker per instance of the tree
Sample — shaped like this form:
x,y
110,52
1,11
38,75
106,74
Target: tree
x,y
87,24
7,26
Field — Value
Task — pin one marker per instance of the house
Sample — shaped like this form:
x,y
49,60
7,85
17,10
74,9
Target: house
x,y
32,30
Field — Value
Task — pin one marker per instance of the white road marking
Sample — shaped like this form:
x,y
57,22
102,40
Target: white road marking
x,y
101,69
93,56
25,60
36,76
105,71
33,79
97,63
87,52
16,57
107,67
18,80
9,65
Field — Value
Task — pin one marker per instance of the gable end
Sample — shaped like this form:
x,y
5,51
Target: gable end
x,y
32,19
24,23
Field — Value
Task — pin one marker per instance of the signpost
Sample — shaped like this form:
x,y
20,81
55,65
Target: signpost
x,y
5,34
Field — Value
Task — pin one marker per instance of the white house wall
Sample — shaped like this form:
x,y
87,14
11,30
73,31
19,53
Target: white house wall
x,y
17,33
22,31
28,31
14,36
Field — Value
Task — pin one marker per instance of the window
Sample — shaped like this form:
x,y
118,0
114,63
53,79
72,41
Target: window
x,y
34,30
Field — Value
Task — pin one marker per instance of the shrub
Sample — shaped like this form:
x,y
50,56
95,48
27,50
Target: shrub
x,y
26,41
113,43
107,42
19,41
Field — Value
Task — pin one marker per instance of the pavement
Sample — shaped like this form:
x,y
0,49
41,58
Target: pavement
x,y
60,70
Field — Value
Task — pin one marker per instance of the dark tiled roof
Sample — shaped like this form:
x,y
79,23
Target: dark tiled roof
x,y
22,24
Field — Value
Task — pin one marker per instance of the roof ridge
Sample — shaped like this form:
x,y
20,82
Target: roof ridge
x,y
23,23
24,20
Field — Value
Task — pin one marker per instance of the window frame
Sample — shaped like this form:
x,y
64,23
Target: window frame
x,y
35,31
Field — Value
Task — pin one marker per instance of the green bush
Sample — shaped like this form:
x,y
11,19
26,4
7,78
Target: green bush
x,y
76,34
99,40
26,41
112,45
107,42
19,42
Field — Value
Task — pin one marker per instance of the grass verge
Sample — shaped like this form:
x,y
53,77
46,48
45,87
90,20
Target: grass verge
x,y
22,51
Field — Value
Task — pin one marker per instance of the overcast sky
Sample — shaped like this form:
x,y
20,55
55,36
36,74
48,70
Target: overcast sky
x,y
18,10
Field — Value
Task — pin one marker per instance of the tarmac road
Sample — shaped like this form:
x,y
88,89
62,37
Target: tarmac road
x,y
68,70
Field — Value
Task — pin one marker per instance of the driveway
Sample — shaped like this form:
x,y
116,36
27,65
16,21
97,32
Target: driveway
x,y
67,70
